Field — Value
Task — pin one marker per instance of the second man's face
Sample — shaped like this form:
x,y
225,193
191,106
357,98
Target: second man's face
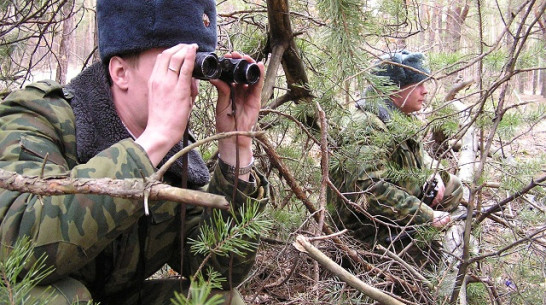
x,y
410,98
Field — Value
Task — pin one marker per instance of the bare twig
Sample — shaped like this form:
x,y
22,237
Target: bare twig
x,y
293,119
497,207
303,245
165,167
458,87
406,265
526,238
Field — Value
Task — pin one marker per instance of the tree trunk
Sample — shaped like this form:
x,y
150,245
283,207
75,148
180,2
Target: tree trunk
x,y
63,57
285,50
521,80
542,72
438,32
543,81
456,16
425,24
535,83
96,56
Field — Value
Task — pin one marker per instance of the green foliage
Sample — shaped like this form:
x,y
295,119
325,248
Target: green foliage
x,y
509,124
219,237
342,35
287,220
531,57
200,291
414,176
380,88
519,278
518,173
495,60
396,8
341,294
425,235
444,119
532,217
15,284
484,119
350,157
404,127
450,61
236,236
536,114
477,294
246,37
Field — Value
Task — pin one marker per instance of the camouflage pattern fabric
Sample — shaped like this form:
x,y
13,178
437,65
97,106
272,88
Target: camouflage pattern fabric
x,y
67,291
95,239
381,170
159,292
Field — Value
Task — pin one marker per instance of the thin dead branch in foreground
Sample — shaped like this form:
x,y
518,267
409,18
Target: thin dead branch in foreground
x,y
303,245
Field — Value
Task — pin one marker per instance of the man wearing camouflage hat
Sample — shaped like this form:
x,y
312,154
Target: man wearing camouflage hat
x,y
123,118
385,182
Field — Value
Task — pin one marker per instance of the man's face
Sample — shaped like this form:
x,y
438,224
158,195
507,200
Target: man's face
x,y
141,73
410,98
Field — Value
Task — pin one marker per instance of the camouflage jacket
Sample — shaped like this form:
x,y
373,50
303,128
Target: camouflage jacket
x,y
107,243
381,171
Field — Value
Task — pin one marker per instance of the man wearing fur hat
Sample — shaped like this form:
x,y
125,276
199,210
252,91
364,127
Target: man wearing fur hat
x,y
383,169
123,118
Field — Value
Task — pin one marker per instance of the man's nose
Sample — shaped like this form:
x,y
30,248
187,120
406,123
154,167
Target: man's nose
x,y
425,91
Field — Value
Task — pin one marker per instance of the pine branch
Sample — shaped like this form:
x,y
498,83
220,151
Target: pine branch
x,y
135,189
223,237
15,283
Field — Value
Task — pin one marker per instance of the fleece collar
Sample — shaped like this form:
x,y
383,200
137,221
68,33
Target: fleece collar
x,y
98,126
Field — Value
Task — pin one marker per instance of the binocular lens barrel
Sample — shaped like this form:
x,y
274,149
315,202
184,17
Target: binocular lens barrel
x,y
239,71
206,65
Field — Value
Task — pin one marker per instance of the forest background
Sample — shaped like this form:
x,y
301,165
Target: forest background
x,y
488,88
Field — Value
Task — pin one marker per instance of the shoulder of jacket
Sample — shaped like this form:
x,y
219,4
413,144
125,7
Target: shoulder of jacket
x,y
370,119
49,88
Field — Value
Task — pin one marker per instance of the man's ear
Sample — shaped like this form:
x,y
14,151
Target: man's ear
x,y
118,68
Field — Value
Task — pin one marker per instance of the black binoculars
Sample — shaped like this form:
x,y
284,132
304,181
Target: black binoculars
x,y
430,190
239,71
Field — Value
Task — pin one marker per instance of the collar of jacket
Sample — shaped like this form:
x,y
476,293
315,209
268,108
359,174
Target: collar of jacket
x,y
98,126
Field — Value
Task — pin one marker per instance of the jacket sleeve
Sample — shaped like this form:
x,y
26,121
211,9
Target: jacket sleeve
x,y
37,138
249,193
391,201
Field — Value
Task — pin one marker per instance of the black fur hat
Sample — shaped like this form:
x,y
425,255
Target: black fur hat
x,y
137,25
400,75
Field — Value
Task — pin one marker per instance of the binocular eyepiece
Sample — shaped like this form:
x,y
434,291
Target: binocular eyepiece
x,y
239,71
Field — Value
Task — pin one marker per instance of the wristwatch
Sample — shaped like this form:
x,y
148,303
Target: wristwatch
x,y
228,169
